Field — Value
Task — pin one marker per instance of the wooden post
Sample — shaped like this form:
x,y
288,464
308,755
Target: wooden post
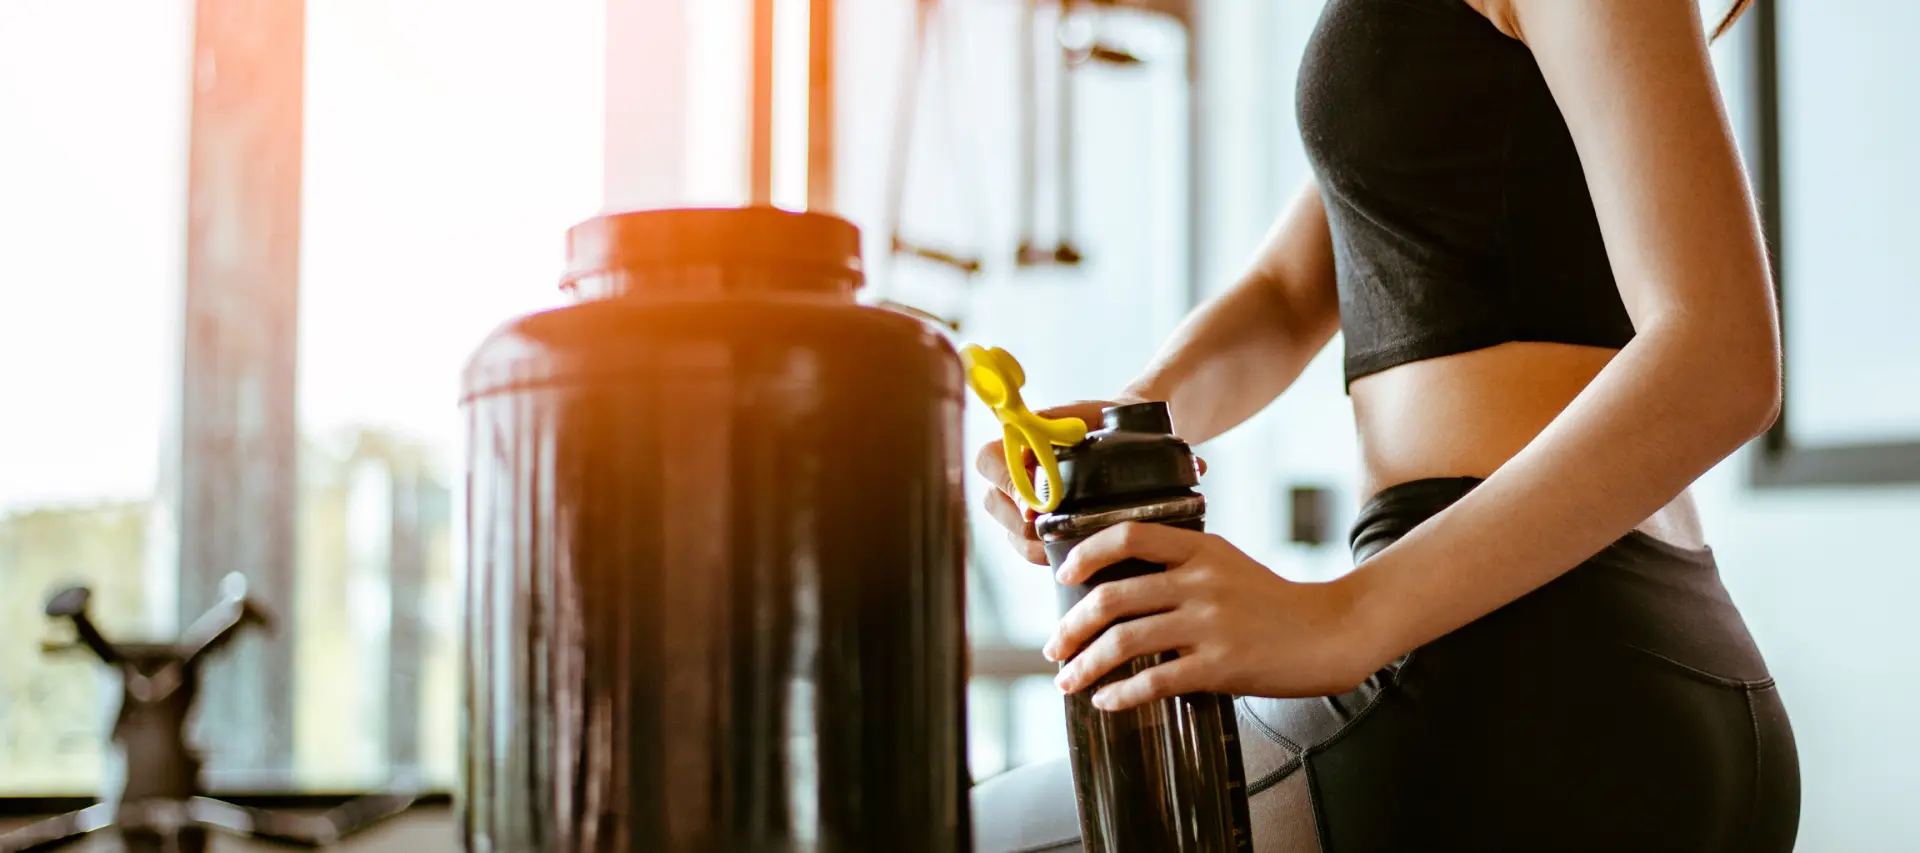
x,y
238,476
760,115
822,119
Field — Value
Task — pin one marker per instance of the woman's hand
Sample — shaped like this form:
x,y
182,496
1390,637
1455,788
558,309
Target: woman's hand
x,y
1238,627
1004,504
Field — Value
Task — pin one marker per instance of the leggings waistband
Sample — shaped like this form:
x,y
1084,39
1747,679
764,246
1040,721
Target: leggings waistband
x,y
1639,591
1395,510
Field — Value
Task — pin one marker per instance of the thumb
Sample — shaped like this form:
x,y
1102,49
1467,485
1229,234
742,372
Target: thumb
x,y
1087,411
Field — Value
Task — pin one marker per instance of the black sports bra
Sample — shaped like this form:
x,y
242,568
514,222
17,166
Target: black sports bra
x,y
1459,211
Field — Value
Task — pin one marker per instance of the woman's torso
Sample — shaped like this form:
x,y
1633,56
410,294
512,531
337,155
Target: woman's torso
x,y
1475,291
1466,415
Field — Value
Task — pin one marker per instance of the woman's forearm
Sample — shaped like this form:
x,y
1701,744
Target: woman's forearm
x,y
1234,354
1669,407
1226,362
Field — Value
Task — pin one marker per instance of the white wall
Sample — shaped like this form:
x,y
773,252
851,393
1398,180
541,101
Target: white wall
x,y
1825,580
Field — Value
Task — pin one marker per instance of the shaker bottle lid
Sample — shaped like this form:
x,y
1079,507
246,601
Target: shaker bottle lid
x,y
714,237
1134,454
1139,417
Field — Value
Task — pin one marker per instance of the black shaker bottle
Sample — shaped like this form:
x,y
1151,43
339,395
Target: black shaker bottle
x,y
1165,777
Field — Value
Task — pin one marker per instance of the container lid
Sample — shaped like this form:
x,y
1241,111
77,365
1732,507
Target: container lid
x,y
1134,454
713,237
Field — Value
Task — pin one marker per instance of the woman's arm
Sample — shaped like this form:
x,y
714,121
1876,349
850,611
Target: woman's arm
x,y
1702,374
1236,353
1226,361
1700,378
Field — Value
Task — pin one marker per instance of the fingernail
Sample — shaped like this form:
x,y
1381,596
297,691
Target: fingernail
x,y
1103,700
1062,681
1046,651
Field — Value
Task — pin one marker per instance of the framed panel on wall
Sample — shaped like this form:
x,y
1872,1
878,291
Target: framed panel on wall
x,y
1835,101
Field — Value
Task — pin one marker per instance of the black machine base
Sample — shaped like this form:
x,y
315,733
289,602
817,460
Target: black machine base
x,y
184,826
164,807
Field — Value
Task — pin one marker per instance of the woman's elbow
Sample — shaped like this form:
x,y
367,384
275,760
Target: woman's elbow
x,y
1754,384
1768,400
1735,376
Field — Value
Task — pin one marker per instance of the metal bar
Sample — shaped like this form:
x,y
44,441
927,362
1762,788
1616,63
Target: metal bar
x,y
1779,462
1028,116
1008,709
995,660
1830,465
822,114
407,628
1765,65
238,478
1063,142
906,103
760,118
1197,195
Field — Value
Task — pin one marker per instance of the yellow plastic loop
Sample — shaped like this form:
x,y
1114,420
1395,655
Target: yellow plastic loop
x,y
996,378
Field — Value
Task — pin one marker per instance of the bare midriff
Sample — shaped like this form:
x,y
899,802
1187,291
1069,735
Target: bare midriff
x,y
1465,415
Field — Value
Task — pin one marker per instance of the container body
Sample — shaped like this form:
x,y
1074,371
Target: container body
x,y
714,593
1167,776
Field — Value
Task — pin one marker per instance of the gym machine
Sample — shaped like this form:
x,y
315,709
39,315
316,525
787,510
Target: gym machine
x,y
163,806
1074,51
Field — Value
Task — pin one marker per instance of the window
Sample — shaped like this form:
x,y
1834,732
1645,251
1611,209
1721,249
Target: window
x,y
445,148
448,147
92,217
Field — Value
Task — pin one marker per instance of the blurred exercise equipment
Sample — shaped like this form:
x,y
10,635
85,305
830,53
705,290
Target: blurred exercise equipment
x,y
1081,39
163,806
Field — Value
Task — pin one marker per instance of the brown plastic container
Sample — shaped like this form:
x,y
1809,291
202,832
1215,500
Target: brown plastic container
x,y
714,591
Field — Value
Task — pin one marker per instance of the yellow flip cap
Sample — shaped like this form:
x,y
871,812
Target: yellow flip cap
x,y
996,378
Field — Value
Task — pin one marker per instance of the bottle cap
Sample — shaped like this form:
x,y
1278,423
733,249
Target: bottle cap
x,y
1135,456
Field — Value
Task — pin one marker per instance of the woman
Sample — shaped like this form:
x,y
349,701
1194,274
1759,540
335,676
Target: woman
x,y
1531,222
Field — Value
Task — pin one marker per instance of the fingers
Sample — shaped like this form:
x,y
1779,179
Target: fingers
x,y
1148,635
1003,504
991,463
1001,509
1106,604
991,460
1154,543
1019,525
1184,674
1032,549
